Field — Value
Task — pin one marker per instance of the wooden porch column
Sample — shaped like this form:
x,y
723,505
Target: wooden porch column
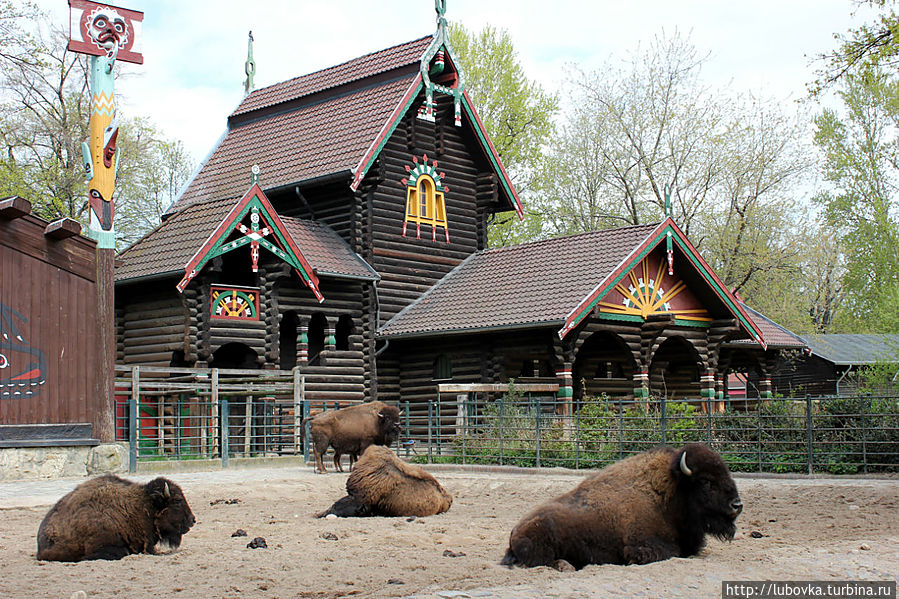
x,y
330,338
303,344
765,386
566,388
707,391
641,385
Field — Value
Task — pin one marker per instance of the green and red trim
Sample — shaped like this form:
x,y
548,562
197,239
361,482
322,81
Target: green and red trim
x,y
282,244
660,233
405,103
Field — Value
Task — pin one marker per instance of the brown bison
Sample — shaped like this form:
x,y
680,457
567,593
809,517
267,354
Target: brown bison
x,y
109,517
646,508
381,484
350,430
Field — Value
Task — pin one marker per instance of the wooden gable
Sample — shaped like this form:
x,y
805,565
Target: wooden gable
x,y
650,253
252,222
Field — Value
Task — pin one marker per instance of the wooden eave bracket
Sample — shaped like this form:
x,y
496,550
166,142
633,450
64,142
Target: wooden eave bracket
x,y
14,207
63,228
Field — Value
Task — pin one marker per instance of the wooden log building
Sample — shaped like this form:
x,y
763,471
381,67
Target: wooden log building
x,y
358,252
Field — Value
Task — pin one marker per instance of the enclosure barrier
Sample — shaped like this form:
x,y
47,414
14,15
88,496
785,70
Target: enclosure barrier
x,y
836,435
192,414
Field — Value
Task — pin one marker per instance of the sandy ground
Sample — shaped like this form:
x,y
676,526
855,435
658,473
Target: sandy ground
x,y
791,529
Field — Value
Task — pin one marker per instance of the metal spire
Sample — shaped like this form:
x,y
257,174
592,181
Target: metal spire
x,y
249,66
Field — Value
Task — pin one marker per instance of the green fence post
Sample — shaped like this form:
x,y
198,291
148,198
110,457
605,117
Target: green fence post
x,y
226,432
708,431
539,434
577,439
406,411
758,440
501,426
620,428
866,407
306,425
430,427
808,428
132,435
664,401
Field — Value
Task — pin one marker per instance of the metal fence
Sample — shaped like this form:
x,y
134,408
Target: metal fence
x,y
193,414
837,435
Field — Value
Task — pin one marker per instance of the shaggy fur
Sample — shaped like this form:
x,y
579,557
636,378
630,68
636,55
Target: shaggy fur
x,y
381,484
109,517
642,509
351,430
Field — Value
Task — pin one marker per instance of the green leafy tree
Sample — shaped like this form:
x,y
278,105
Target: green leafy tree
x,y
871,45
731,165
517,113
860,146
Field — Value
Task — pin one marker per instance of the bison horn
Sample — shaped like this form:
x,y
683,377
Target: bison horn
x,y
166,492
683,465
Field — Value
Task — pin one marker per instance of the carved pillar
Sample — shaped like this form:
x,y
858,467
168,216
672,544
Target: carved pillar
x,y
330,339
641,383
566,388
707,391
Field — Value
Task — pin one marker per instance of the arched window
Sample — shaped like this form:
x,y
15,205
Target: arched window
x,y
443,368
425,204
343,332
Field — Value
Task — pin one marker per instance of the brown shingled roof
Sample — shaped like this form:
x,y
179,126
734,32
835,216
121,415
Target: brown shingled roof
x,y
352,70
776,336
168,248
314,140
531,284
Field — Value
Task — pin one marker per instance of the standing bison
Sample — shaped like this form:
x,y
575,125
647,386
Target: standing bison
x,y
351,430
381,484
109,517
646,508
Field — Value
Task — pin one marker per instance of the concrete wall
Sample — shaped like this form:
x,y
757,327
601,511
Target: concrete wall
x,y
30,463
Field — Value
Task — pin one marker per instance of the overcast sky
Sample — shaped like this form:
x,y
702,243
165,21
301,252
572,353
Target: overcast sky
x,y
194,50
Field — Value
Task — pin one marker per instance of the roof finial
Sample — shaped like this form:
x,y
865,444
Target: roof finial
x,y
440,7
249,66
254,174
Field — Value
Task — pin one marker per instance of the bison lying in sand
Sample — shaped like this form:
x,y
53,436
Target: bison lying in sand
x,y
109,517
350,430
381,484
646,508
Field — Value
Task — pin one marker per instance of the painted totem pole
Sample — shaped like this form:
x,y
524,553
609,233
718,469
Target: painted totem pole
x,y
107,34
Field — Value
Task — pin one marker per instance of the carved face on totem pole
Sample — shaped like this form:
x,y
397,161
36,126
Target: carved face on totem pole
x,y
107,29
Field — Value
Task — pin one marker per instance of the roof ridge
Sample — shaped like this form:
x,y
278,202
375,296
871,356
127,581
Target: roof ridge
x,y
320,73
528,244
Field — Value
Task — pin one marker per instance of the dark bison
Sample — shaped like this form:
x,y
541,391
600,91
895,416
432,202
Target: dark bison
x,y
381,484
350,430
646,508
109,517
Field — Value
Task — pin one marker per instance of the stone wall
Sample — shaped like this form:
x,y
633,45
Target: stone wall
x,y
29,463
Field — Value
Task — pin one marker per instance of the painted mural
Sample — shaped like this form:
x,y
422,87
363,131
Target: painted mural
x,y
23,369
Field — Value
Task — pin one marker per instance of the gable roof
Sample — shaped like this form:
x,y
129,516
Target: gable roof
x,y
281,243
853,350
332,122
166,249
555,282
